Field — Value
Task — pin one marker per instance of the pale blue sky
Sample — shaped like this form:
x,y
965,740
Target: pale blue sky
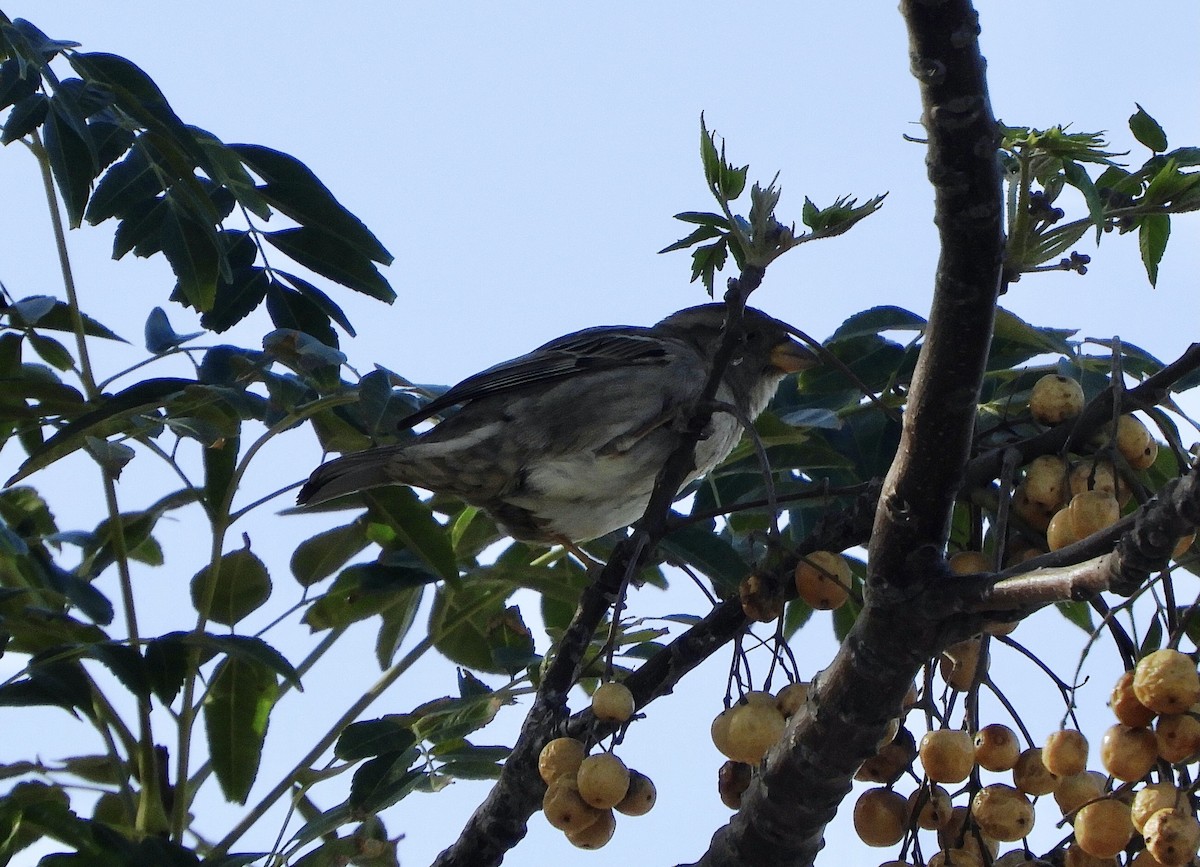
x,y
523,160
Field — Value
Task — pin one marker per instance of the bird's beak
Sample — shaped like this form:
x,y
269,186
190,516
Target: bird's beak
x,y
789,356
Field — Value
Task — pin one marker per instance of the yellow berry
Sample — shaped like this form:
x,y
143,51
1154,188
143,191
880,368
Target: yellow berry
x,y
641,796
1177,736
1055,398
1135,443
732,780
1125,705
1092,511
597,834
791,698
1065,753
565,809
753,729
823,580
603,780
1166,681
960,662
612,702
1002,812
931,807
880,816
996,747
947,755
1076,790
1128,753
1103,828
1046,481
1172,837
560,757
969,562
1031,776
1151,799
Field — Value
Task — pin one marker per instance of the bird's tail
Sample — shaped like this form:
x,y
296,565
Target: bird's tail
x,y
347,474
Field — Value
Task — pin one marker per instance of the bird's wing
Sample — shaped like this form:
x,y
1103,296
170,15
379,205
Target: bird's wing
x,y
593,349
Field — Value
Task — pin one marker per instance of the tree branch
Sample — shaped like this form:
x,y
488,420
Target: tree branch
x,y
806,776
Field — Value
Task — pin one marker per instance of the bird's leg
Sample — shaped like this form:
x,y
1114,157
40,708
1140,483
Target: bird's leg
x,y
591,564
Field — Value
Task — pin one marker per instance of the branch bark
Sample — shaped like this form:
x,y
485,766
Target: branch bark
x,y
804,779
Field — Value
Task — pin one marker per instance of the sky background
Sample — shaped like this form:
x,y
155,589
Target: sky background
x,y
523,161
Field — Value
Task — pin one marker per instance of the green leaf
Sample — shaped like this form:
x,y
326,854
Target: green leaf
x,y
72,160
383,781
51,351
876,321
294,190
26,116
291,309
246,648
333,258
220,463
396,620
236,298
323,302
242,585
413,522
124,186
464,619
160,336
53,315
701,234
192,252
375,737
113,415
708,553
317,558
126,664
1079,613
1147,131
167,665
237,708
1153,234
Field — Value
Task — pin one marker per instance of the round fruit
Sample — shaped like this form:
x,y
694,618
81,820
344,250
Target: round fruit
x,y
1103,828
1135,443
753,729
1171,837
1059,532
1055,398
1125,705
1166,681
1077,856
931,807
1046,481
1128,753
959,663
1151,799
1092,511
880,817
1002,812
1177,736
603,780
565,809
791,698
969,562
892,760
1097,474
947,755
1029,510
1065,753
963,857
640,798
761,598
732,780
1076,790
612,702
560,757
1031,776
597,834
720,730
996,747
823,580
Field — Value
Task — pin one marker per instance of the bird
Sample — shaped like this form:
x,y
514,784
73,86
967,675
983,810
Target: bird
x,y
563,445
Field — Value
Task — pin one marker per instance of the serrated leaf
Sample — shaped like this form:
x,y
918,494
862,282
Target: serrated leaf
x,y
317,558
237,709
111,417
26,116
401,510
236,298
383,781
292,188
247,648
375,737
72,160
167,665
333,258
1147,131
124,186
291,309
1153,235
241,586
192,252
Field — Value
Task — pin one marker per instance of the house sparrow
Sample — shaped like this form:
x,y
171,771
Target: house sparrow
x,y
563,445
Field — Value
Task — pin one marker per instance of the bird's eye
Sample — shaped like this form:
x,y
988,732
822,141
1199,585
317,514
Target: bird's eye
x,y
734,362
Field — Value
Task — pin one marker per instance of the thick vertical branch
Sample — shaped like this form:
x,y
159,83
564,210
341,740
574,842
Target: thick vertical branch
x,y
805,777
